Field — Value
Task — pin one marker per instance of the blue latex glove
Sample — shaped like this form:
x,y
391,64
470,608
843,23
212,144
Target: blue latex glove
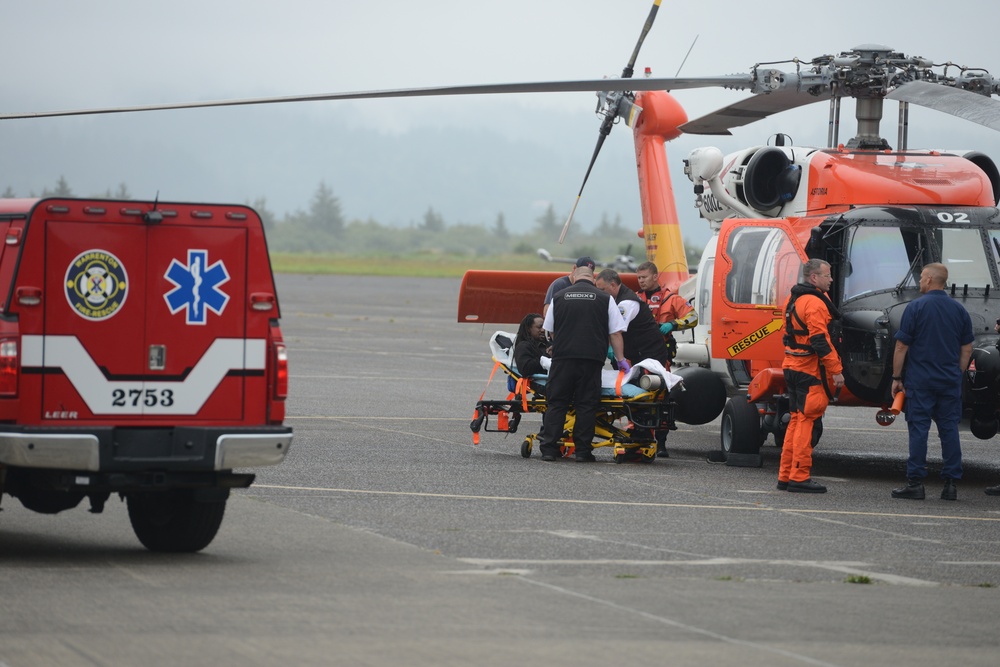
x,y
611,354
666,328
624,366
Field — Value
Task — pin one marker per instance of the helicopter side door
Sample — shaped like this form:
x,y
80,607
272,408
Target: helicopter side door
x,y
758,263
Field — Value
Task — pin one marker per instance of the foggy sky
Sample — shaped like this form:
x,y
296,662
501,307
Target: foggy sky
x,y
65,54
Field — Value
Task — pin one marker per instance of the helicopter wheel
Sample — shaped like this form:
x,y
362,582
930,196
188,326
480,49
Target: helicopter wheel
x,y
741,432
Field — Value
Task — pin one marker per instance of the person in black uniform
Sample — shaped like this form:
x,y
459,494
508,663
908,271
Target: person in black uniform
x,y
642,338
583,321
562,282
530,345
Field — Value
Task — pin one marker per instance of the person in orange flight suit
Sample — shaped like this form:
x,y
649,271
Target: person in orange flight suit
x,y
671,313
670,310
810,359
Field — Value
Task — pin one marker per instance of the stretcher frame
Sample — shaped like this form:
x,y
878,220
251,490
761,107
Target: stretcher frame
x,y
643,413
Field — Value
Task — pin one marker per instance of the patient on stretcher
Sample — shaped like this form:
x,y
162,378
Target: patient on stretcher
x,y
502,345
530,345
633,407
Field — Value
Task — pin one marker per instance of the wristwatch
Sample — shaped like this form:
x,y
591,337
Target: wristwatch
x,y
897,377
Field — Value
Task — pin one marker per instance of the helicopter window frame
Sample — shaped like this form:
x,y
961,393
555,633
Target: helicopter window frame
x,y
875,270
753,283
954,262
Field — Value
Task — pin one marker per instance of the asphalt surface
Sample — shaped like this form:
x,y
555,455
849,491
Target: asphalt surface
x,y
388,538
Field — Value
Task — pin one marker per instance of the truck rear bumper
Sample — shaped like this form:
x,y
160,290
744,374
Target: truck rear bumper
x,y
134,449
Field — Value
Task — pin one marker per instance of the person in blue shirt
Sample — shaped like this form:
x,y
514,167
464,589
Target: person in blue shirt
x,y
933,348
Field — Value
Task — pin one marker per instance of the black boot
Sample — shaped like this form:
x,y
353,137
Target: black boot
x,y
914,490
950,491
808,486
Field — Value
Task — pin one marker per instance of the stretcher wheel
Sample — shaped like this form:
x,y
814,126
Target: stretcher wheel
x,y
526,448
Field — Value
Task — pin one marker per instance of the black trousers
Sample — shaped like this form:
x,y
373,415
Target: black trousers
x,y
576,383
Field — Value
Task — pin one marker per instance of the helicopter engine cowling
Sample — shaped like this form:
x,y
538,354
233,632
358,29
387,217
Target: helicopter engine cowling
x,y
986,163
981,389
758,182
771,179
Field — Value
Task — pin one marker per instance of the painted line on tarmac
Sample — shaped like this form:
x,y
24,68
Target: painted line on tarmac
x,y
623,503
677,624
845,567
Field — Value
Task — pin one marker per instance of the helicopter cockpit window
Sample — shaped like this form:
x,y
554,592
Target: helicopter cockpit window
x,y
962,253
765,265
882,258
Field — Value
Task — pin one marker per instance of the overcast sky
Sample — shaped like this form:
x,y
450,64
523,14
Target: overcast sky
x,y
68,54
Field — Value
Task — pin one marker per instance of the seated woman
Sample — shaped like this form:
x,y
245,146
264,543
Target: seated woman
x,y
530,345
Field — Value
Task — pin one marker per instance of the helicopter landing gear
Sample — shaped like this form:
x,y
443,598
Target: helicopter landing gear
x,y
742,435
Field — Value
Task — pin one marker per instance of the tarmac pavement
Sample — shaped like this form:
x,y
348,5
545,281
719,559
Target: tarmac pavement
x,y
388,538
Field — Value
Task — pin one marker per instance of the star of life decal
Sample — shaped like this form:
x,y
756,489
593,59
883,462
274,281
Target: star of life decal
x,y
196,288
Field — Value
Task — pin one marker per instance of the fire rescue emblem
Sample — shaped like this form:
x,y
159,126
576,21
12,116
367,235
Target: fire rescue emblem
x,y
196,287
96,285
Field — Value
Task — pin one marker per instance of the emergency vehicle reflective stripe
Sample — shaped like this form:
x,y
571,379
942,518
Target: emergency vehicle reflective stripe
x,y
104,396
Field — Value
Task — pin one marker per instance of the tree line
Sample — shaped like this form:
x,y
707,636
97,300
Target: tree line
x,y
322,227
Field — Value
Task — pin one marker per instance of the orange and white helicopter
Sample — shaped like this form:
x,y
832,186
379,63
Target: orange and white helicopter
x,y
875,212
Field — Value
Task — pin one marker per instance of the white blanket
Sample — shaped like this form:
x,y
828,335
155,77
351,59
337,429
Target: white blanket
x,y
504,353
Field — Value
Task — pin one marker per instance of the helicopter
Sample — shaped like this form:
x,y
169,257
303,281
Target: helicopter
x,y
875,212
624,263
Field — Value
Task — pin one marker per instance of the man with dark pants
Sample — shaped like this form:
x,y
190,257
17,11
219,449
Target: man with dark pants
x,y
810,357
642,338
583,320
933,348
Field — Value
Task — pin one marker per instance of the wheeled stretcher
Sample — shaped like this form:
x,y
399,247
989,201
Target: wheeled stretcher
x,y
633,406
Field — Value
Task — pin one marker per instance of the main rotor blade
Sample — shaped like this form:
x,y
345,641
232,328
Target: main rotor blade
x,y
739,81
954,101
747,111
612,113
627,72
593,158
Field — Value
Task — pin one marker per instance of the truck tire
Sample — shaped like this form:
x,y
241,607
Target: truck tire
x,y
174,521
741,431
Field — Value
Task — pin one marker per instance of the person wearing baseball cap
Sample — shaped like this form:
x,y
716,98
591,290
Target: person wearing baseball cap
x,y
562,282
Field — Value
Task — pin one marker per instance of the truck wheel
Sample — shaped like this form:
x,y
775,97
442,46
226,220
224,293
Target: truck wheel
x,y
741,432
174,521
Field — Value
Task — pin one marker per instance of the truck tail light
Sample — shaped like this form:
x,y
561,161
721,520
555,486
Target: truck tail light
x,y
8,367
280,371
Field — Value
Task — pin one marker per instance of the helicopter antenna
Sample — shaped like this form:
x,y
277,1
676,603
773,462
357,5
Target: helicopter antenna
x,y
611,113
690,48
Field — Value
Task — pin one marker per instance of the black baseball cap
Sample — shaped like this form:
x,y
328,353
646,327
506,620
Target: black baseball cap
x,y
585,261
